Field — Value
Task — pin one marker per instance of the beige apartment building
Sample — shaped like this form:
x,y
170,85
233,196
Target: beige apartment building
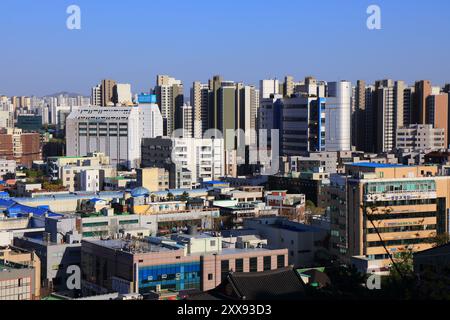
x,y
407,205
153,179
10,254
77,173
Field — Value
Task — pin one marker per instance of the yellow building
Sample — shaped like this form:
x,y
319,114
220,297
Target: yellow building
x,y
153,179
407,205
24,257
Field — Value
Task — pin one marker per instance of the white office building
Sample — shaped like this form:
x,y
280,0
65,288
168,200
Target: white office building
x,y
90,180
202,157
115,131
338,114
420,137
190,159
268,88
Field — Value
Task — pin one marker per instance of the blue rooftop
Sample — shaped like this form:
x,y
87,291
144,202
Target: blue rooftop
x,y
376,165
146,98
14,209
216,182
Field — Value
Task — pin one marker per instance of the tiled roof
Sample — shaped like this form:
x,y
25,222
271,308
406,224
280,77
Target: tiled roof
x,y
280,284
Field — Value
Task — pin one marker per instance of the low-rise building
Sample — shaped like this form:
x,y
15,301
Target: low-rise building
x,y
302,241
7,167
55,165
15,255
234,213
58,249
421,137
181,262
155,179
435,260
308,183
291,206
17,281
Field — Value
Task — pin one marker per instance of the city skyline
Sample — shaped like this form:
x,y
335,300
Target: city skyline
x,y
257,47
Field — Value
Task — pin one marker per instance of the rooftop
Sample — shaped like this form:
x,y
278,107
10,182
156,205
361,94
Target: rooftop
x,y
134,247
376,165
8,266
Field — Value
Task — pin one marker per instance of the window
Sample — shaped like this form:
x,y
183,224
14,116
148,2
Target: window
x,y
280,261
253,264
239,265
213,243
267,263
210,276
225,269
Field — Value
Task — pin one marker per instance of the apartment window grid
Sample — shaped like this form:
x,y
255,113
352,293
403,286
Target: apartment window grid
x,y
15,289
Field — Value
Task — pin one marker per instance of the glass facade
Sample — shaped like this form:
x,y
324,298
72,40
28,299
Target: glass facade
x,y
404,186
176,277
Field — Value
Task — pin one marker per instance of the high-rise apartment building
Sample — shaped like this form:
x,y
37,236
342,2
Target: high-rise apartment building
x,y
22,147
422,90
303,125
122,94
226,106
184,121
170,97
359,116
388,104
107,88
200,104
96,95
288,86
437,113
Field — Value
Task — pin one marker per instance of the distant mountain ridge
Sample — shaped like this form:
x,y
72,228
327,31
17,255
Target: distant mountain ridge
x,y
65,93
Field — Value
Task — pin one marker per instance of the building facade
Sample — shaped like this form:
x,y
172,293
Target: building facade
x,y
114,131
179,263
406,205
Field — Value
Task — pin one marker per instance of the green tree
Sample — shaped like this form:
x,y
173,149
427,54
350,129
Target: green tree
x,y
441,239
184,196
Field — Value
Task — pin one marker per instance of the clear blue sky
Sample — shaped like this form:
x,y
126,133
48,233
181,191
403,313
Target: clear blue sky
x,y
133,40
